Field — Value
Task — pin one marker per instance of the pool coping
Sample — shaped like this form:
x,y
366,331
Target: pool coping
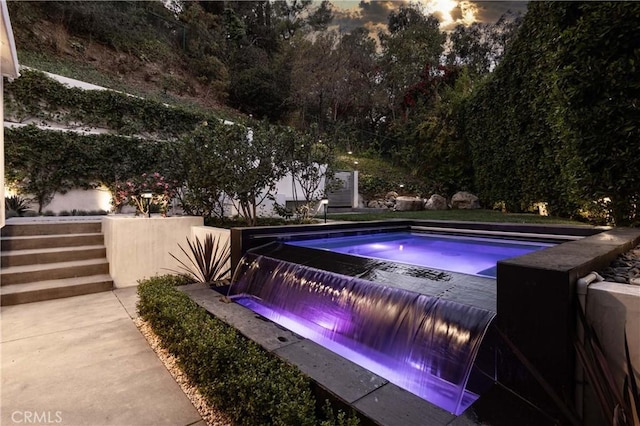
x,y
243,239
536,292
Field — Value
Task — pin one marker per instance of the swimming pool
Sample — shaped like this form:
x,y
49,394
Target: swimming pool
x,y
467,255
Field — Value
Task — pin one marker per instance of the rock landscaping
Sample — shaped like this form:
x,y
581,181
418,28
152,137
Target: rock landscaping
x,y
393,201
625,269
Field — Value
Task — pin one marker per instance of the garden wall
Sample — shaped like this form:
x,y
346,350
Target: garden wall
x,y
139,247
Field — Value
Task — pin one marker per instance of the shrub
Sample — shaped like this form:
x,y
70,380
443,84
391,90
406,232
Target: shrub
x,y
16,204
233,373
209,263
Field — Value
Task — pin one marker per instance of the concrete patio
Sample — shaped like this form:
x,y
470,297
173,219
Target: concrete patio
x,y
82,361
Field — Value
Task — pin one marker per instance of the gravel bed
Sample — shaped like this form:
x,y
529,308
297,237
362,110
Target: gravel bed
x,y
625,268
210,415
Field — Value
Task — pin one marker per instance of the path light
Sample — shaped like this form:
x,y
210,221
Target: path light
x,y
147,196
325,202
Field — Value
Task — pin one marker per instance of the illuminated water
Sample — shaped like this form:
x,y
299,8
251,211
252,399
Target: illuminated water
x,y
423,344
468,255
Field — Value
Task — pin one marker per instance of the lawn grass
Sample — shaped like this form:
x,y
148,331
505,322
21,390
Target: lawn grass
x,y
479,215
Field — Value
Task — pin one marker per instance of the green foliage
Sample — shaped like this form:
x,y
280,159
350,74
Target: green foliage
x,y
16,205
209,263
596,96
41,162
555,120
431,146
252,386
35,96
147,192
461,215
38,165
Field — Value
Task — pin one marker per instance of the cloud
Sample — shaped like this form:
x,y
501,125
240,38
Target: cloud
x,y
491,11
350,14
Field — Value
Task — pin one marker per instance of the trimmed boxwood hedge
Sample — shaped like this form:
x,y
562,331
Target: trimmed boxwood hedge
x,y
233,373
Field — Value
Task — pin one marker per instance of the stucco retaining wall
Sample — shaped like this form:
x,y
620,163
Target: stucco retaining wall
x,y
139,247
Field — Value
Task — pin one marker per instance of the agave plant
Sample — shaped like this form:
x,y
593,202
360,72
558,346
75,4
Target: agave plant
x,y
209,263
17,204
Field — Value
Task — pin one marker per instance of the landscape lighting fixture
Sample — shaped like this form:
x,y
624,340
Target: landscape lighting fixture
x,y
325,202
147,196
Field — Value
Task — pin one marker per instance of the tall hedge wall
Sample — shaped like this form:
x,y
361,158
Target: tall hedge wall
x,y
558,119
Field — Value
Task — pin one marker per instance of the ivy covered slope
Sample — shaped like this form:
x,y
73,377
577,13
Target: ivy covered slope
x,y
203,155
36,98
558,120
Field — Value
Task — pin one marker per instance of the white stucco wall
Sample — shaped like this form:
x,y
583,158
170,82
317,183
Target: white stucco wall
x,y
613,308
80,199
139,247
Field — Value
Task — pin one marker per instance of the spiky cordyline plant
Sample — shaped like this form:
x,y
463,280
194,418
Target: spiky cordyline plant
x,y
209,263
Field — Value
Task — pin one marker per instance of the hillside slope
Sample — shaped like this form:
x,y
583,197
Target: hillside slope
x,y
152,66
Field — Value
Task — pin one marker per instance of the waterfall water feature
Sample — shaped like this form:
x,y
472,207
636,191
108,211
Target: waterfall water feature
x,y
426,345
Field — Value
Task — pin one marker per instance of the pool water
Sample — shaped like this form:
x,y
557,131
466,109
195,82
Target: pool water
x,y
467,255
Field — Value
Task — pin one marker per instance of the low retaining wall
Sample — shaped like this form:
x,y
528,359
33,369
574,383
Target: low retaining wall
x,y
613,309
139,247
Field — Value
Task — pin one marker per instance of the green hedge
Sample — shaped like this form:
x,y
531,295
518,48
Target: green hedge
x,y
233,373
34,95
557,120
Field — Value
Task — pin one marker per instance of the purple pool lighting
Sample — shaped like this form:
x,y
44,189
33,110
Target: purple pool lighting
x,y
424,344
467,255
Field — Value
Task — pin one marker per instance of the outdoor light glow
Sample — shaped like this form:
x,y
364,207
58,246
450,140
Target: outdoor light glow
x,y
475,256
424,344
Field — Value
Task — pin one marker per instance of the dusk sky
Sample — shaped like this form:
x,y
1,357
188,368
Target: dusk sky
x,y
373,14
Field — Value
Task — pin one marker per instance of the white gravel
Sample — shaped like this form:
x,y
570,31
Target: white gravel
x,y
210,415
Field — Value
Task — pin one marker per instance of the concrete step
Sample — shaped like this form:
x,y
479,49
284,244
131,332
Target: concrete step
x,y
51,228
50,255
50,241
54,289
52,271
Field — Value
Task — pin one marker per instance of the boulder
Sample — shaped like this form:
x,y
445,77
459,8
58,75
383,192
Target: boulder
x,y
391,195
464,201
376,204
405,204
436,202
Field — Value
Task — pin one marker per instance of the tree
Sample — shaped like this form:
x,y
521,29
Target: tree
x,y
433,148
200,176
308,161
413,42
243,161
480,46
